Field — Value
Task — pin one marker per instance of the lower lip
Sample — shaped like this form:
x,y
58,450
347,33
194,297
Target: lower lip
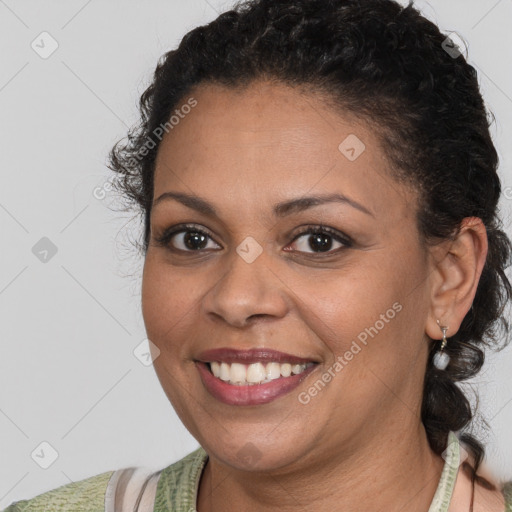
x,y
255,394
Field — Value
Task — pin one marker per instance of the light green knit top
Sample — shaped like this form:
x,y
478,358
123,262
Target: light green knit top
x,y
176,488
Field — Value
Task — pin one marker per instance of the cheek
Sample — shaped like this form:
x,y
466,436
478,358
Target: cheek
x,y
363,313
167,302
369,327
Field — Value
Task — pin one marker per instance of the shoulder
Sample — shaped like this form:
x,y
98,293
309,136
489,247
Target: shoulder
x,y
87,494
190,465
493,500
507,493
490,494
127,487
178,483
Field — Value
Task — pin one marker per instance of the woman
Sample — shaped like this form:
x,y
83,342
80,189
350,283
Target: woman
x,y
323,262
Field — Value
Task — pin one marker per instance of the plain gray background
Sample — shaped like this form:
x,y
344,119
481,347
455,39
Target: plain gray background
x,y
69,325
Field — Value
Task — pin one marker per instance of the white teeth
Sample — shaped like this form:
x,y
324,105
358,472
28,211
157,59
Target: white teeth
x,y
224,371
296,368
255,373
238,373
273,371
286,369
215,367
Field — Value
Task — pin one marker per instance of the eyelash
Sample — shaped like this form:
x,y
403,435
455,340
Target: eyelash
x,y
164,239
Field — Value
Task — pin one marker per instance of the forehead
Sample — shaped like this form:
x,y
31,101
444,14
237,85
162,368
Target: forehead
x,y
272,139
246,121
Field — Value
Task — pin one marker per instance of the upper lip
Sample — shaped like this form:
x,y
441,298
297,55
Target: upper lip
x,y
249,356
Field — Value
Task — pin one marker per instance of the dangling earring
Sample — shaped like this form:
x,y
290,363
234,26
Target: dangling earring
x,y
441,358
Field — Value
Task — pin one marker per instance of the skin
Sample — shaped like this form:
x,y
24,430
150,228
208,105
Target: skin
x,y
360,439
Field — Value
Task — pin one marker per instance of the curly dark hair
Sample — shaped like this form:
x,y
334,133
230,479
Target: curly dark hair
x,y
389,65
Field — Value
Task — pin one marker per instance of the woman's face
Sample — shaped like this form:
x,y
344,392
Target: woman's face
x,y
351,301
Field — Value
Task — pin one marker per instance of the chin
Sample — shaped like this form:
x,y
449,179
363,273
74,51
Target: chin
x,y
252,453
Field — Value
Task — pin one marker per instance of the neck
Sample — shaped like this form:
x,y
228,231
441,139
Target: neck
x,y
396,473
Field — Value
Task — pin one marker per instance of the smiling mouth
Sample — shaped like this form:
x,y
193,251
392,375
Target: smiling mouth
x,y
239,374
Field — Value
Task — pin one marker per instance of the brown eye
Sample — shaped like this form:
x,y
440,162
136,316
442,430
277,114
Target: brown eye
x,y
185,238
321,239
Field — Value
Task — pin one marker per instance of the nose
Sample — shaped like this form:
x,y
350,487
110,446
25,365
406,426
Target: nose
x,y
246,293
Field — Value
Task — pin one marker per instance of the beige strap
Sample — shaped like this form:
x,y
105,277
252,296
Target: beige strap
x,y
444,490
131,490
147,501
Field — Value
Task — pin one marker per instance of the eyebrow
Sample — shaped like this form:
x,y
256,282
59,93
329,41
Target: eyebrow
x,y
280,209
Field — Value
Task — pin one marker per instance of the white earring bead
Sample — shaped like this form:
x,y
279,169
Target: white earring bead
x,y
441,359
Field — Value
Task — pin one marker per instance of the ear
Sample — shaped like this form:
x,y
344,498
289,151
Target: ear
x,y
457,266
